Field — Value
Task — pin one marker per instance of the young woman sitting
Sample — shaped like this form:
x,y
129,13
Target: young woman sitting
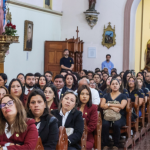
x,y
141,86
46,124
109,102
70,82
122,89
3,91
42,82
89,112
107,89
134,91
51,95
16,131
15,89
69,117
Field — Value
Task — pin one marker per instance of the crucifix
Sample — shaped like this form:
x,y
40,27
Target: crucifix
x,y
77,31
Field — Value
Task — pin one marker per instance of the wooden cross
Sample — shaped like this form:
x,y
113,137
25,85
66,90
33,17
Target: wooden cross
x,y
77,31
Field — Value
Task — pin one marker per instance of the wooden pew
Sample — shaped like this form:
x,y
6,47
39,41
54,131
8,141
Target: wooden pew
x,y
39,145
97,133
126,129
147,114
63,139
135,124
84,136
142,119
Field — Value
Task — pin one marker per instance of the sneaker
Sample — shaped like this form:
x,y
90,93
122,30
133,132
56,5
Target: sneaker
x,y
105,148
115,148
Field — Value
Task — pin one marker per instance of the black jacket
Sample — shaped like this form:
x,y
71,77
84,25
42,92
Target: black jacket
x,y
64,89
74,121
49,132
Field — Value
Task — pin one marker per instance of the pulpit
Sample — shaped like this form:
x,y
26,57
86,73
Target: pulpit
x,y
54,52
5,41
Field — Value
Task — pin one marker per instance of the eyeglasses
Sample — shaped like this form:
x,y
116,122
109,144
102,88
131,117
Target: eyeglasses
x,y
70,91
9,103
92,83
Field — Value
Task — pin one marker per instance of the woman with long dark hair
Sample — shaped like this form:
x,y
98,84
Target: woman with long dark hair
x,y
71,82
142,86
89,112
16,89
42,82
106,103
51,95
134,90
69,117
3,80
46,124
126,76
122,89
107,85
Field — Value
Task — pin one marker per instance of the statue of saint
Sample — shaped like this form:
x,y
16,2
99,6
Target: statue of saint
x,y
92,4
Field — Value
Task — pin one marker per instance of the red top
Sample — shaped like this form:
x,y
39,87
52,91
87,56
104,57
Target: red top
x,y
29,138
91,117
53,106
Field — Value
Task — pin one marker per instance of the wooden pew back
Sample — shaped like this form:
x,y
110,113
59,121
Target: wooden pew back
x,y
63,139
97,133
39,145
84,136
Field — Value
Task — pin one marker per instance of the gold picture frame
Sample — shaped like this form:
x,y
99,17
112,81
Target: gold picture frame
x,y
28,35
109,36
50,6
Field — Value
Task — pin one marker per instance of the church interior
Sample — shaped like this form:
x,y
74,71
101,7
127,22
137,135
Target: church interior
x,y
43,30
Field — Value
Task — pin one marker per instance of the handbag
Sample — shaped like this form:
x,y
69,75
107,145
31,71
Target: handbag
x,y
111,115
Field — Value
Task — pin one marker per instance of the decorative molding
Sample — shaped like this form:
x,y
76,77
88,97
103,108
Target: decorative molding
x,y
34,7
126,42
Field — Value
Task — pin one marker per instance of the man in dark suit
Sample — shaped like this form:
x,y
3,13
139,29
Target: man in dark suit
x,y
29,85
59,82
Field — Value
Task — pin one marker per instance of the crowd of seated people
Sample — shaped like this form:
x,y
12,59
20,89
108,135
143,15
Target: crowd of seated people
x,y
36,105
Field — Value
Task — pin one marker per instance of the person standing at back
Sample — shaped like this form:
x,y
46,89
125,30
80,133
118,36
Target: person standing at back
x,y
108,64
66,62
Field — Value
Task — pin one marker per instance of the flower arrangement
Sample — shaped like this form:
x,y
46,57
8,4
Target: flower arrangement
x,y
10,29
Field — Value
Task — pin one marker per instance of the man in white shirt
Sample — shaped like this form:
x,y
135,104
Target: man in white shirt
x,y
59,82
95,96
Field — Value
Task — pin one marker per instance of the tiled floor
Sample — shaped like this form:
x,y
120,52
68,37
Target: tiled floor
x,y
143,144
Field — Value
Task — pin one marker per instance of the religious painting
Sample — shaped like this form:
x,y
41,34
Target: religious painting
x,y
109,36
48,4
28,35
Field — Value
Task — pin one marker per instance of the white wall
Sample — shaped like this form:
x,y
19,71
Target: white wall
x,y
46,27
110,11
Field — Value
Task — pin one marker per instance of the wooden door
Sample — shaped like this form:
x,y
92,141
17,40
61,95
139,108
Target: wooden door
x,y
53,54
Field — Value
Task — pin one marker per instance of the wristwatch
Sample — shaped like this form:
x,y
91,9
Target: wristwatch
x,y
108,104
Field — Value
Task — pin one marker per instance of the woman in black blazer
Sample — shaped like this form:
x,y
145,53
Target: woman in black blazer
x,y
69,117
46,124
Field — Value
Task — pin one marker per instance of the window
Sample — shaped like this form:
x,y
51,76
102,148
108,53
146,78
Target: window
x,y
48,4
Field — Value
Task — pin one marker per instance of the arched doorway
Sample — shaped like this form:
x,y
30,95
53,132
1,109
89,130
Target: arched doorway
x,y
129,34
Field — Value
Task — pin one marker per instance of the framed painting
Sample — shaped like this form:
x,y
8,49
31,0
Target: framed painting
x,y
28,35
48,4
109,36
